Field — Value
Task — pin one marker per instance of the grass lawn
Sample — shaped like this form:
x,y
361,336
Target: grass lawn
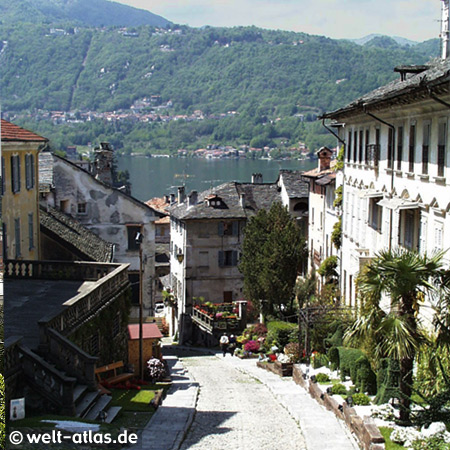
x,y
386,432
134,400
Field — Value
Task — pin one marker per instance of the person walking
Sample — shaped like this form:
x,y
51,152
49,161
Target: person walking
x,y
232,344
224,341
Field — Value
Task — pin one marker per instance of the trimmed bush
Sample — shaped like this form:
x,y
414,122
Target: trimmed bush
x,y
366,379
281,333
333,356
347,361
388,377
251,346
361,399
339,389
322,377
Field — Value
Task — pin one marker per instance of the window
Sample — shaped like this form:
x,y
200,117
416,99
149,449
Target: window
x,y
399,147
366,155
81,208
29,171
133,278
227,296
355,145
438,236
94,344
375,213
64,206
349,146
426,147
390,147
17,237
30,231
412,147
15,173
228,228
228,258
3,177
442,137
409,229
132,231
361,136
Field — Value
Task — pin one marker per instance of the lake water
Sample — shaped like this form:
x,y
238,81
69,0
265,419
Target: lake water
x,y
155,177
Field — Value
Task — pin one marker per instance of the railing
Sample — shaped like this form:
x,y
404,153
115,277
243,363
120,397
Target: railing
x,y
57,270
86,304
71,358
48,381
213,323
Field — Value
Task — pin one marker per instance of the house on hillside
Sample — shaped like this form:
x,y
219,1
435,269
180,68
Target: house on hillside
x,y
322,212
397,168
20,191
111,214
206,234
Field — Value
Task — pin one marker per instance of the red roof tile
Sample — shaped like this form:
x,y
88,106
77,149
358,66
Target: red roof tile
x,y
11,132
149,331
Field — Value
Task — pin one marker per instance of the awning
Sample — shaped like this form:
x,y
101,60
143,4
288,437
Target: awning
x,y
371,193
398,203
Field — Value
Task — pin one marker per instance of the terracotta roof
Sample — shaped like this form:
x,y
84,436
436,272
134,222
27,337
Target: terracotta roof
x,y
149,331
11,132
158,203
315,173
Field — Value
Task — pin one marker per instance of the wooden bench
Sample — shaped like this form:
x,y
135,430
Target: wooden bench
x,y
115,378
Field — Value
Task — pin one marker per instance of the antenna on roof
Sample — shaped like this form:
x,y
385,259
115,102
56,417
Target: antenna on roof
x,y
445,29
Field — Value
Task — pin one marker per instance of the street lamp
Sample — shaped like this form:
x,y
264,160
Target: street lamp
x,y
138,240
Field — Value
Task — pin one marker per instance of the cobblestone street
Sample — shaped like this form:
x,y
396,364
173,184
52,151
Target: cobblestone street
x,y
236,411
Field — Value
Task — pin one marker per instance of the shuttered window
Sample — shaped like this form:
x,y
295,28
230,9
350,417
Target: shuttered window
x,y
29,171
228,258
15,173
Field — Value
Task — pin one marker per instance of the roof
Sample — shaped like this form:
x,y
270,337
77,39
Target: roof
x,y
149,331
316,173
295,185
77,167
159,204
256,197
435,79
12,132
76,237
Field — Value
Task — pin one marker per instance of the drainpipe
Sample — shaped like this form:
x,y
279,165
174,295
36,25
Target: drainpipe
x,y
342,141
391,215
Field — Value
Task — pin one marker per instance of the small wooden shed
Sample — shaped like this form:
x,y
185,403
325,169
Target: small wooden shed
x,y
151,344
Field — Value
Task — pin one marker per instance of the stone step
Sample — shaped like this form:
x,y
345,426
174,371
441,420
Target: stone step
x,y
79,390
101,403
112,413
85,403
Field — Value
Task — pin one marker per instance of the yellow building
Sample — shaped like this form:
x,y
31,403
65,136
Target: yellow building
x,y
20,189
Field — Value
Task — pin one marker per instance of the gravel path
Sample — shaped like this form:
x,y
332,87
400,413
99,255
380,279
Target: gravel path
x,y
235,411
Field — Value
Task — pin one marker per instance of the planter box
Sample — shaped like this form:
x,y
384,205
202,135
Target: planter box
x,y
280,369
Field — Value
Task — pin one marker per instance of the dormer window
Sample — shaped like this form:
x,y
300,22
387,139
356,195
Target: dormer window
x,y
214,201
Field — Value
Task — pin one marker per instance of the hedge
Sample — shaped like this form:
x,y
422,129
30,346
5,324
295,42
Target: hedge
x,y
388,376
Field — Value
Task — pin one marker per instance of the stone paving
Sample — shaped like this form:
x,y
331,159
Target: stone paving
x,y
235,411
219,403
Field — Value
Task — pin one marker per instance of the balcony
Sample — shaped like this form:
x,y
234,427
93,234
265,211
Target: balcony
x,y
218,318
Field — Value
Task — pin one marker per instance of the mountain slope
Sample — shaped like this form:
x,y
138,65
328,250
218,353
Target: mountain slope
x,y
213,69
80,12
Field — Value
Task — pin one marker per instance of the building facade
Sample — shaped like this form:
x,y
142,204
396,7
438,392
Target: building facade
x,y
397,169
20,191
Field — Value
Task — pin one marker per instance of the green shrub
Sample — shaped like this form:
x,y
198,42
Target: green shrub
x,y
361,399
335,339
366,379
388,376
319,360
322,377
347,361
281,333
339,389
333,356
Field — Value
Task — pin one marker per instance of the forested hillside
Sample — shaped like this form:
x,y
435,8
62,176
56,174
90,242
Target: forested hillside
x,y
261,75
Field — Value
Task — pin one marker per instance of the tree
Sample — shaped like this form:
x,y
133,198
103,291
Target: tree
x,y
272,252
405,278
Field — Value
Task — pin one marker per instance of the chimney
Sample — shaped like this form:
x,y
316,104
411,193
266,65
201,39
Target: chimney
x,y
181,194
257,178
324,155
445,30
192,198
167,199
242,200
172,199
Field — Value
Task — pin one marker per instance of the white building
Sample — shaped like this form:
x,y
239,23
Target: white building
x,y
322,213
206,234
397,168
111,214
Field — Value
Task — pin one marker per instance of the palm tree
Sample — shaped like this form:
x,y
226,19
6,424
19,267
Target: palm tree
x,y
402,279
